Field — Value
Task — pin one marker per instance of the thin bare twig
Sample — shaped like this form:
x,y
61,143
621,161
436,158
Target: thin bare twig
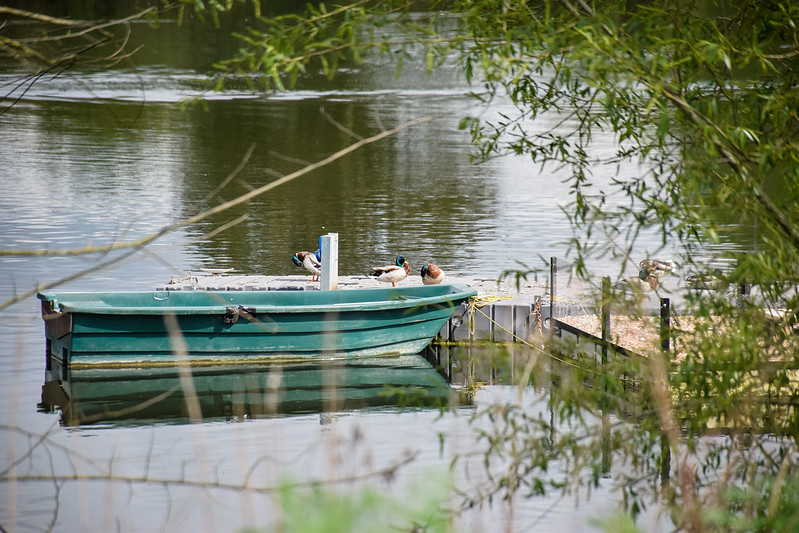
x,y
338,124
232,175
289,159
386,472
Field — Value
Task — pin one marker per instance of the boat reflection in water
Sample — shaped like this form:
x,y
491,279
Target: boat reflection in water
x,y
175,394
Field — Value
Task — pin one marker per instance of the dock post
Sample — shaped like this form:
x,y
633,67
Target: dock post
x,y
605,308
605,326
665,461
665,345
744,290
665,326
553,283
329,277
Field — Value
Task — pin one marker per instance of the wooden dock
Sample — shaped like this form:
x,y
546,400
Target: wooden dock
x,y
501,312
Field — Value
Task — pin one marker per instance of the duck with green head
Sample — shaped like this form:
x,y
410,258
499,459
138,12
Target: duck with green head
x,y
309,262
392,273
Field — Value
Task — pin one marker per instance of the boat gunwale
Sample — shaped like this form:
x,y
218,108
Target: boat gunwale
x,y
61,304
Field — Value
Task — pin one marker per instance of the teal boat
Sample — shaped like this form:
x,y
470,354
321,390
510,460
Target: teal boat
x,y
134,329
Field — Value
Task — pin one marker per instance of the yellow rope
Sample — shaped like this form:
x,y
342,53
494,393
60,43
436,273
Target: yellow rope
x,y
481,300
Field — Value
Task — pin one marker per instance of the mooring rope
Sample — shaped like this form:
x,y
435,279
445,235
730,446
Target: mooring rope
x,y
481,300
475,305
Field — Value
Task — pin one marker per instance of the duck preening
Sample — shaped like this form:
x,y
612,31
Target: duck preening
x,y
392,273
308,261
645,281
656,267
432,274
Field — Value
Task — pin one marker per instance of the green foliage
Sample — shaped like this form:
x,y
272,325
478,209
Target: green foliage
x,y
283,47
327,510
619,523
703,96
759,505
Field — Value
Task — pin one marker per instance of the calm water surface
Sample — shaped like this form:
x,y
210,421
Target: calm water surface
x,y
90,159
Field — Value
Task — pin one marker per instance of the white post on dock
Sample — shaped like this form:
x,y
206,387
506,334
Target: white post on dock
x,y
329,247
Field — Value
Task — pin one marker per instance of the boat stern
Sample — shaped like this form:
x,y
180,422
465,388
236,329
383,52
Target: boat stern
x,y
58,337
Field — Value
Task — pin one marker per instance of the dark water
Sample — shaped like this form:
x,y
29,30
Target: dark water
x,y
96,158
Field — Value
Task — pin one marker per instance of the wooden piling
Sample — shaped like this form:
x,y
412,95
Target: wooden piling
x,y
665,345
665,326
665,461
605,318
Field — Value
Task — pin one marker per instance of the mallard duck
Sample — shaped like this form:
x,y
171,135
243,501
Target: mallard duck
x,y
656,267
432,274
308,261
393,273
709,281
645,281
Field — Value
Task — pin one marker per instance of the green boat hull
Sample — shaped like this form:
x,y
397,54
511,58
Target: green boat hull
x,y
213,327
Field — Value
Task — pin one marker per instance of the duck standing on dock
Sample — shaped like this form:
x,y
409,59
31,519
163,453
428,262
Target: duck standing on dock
x,y
432,274
308,261
709,281
392,273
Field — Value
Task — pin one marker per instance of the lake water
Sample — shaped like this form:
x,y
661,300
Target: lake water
x,y
95,158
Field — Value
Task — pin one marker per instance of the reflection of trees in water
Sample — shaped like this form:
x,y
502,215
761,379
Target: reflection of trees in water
x,y
405,195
